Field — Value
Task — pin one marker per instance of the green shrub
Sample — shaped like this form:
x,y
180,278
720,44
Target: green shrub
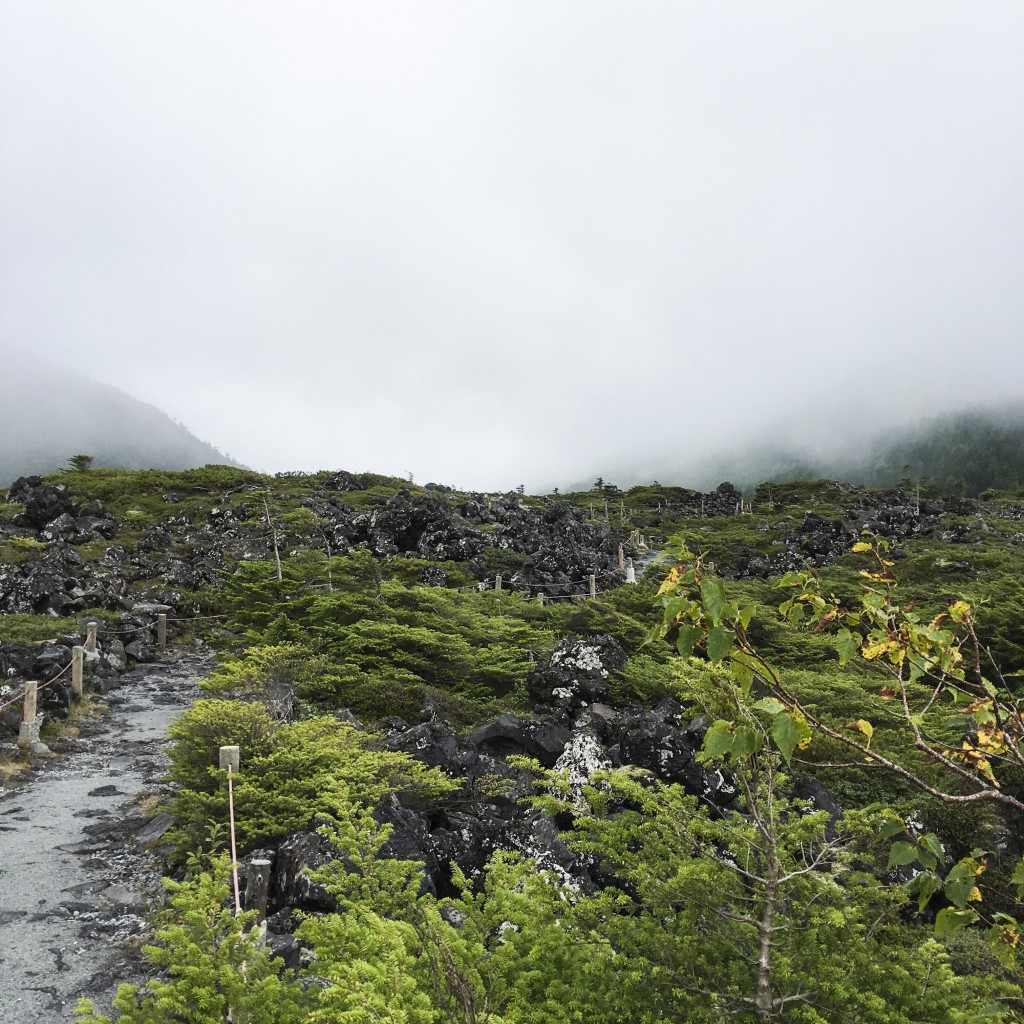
x,y
289,773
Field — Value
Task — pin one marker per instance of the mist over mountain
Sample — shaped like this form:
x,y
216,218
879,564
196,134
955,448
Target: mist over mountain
x,y
49,413
963,451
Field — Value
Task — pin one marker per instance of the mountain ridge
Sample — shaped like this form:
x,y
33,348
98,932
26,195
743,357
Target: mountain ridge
x,y
51,413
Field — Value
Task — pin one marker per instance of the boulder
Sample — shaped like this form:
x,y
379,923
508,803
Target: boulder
x,y
300,853
576,676
510,734
436,745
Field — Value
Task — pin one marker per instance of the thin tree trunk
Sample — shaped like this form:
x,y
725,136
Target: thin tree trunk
x,y
273,533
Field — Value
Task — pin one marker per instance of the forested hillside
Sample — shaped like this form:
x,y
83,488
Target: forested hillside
x,y
51,413
964,451
645,755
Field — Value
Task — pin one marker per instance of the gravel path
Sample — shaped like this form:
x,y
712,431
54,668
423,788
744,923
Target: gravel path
x,y
75,877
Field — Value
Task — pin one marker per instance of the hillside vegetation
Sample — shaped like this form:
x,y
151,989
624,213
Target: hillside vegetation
x,y
489,796
51,413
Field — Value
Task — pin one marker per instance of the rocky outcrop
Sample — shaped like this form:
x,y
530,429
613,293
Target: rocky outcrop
x,y
576,676
572,731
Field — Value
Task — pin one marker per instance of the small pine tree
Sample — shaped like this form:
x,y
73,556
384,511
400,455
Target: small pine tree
x,y
80,463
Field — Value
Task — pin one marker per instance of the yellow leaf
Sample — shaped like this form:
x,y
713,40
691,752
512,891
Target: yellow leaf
x,y
864,727
872,651
671,580
960,611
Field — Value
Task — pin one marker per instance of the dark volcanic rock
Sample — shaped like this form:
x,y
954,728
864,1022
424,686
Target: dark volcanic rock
x,y
45,504
576,676
436,745
509,734
298,854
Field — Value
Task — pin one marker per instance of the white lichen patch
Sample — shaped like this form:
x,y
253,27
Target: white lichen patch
x,y
582,658
583,755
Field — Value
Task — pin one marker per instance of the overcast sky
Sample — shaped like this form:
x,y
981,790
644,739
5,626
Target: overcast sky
x,y
493,243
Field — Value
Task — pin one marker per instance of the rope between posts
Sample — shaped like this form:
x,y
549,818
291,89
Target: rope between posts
x,y
40,686
199,618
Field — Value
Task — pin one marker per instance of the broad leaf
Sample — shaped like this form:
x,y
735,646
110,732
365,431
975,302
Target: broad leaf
x,y
924,887
789,732
719,739
902,853
950,919
688,638
712,594
720,641
864,727
770,705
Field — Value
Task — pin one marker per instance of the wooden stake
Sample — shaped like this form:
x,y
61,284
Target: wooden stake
x,y
90,638
622,558
28,731
230,760
257,886
497,583
77,658
161,630
593,587
540,597
28,713
630,572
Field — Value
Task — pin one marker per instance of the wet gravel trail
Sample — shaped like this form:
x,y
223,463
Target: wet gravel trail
x,y
76,878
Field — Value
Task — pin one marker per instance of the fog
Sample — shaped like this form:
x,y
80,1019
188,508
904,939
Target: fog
x,y
503,243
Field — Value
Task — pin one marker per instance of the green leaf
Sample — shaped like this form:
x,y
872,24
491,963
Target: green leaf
x,y
1017,878
743,674
688,638
848,645
770,705
788,732
673,606
932,843
712,594
719,739
720,641
902,853
993,1010
961,891
950,920
745,742
890,828
924,887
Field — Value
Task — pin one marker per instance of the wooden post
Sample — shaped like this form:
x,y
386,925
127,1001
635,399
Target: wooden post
x,y
161,630
540,597
622,511
90,638
497,583
28,731
77,658
230,760
630,572
257,886
622,558
593,587
31,701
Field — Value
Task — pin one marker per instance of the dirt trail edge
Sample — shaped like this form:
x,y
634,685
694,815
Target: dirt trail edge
x,y
76,880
